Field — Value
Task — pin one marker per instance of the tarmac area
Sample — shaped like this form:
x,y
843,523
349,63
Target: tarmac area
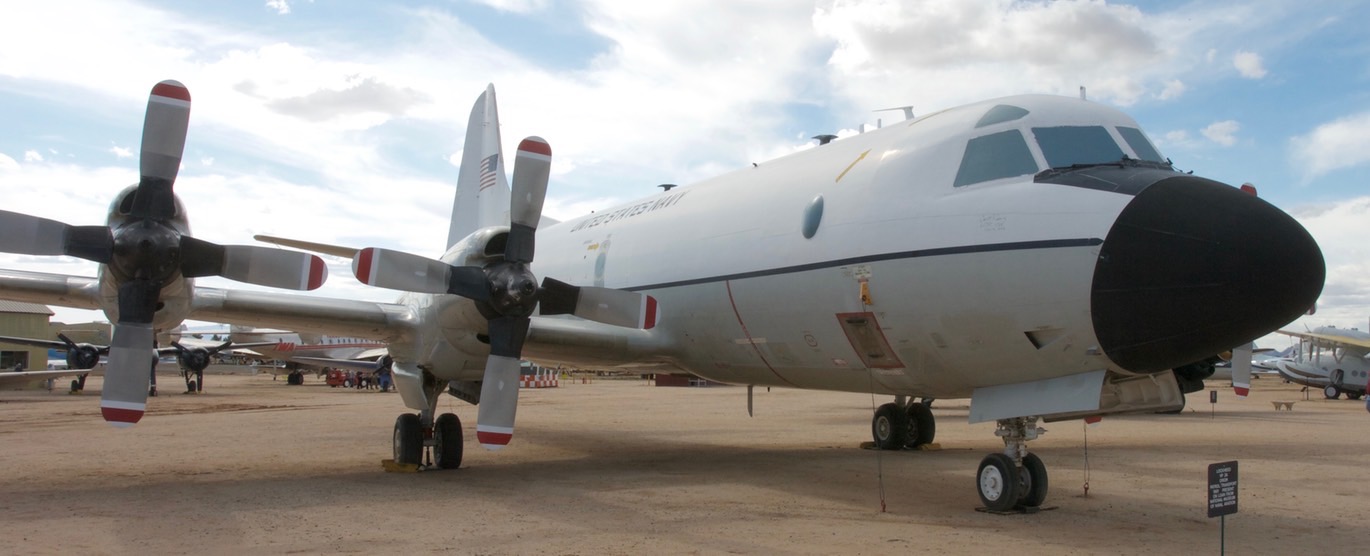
x,y
253,466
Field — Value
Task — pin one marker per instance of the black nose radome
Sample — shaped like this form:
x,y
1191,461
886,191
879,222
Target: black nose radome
x,y
1193,267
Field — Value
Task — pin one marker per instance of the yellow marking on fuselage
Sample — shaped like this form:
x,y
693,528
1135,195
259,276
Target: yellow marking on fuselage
x,y
853,163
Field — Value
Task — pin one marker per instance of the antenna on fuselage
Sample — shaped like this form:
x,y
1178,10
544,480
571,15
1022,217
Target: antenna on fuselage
x,y
1082,93
908,111
824,138
667,186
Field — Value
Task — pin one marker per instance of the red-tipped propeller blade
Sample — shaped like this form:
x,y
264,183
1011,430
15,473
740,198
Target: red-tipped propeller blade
x,y
164,140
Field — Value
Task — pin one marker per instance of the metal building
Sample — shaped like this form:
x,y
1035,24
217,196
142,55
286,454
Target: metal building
x,y
27,320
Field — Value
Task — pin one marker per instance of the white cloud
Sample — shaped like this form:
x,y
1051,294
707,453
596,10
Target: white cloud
x,y
206,161
7,163
1249,65
32,156
515,6
121,152
1222,133
1173,89
1333,146
1340,229
282,7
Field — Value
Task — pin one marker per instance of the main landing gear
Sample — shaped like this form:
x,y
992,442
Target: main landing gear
x,y
417,432
903,424
1016,478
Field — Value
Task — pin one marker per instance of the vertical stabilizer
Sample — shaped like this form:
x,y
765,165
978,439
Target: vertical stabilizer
x,y
482,198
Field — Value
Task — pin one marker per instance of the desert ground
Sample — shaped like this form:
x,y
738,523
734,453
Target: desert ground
x,y
253,466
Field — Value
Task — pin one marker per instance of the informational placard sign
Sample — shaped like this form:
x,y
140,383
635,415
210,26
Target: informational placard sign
x,y
1222,488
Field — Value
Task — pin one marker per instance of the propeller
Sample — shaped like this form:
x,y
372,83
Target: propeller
x,y
196,359
1241,370
145,248
507,293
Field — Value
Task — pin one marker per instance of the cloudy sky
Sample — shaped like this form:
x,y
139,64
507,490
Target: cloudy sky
x,y
339,120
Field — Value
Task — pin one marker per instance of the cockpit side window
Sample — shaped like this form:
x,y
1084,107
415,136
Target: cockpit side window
x,y
1069,145
997,155
1144,149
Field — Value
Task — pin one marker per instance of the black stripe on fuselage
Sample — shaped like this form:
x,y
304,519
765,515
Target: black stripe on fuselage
x,y
938,252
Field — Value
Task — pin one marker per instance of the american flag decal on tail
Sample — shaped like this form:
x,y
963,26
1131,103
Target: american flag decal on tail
x,y
488,166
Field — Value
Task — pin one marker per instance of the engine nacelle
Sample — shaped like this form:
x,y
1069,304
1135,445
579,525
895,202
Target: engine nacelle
x,y
483,246
83,356
1191,377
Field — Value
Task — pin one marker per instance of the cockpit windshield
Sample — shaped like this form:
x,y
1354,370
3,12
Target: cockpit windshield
x,y
1066,146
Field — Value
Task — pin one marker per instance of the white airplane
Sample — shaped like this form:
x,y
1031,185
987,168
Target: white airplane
x,y
1033,253
147,259
300,351
1334,359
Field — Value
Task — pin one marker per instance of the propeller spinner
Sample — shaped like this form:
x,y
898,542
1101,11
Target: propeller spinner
x,y
507,292
145,252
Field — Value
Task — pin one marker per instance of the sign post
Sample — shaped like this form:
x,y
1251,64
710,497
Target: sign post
x,y
1222,495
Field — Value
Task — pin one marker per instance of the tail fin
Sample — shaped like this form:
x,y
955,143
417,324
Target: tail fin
x,y
482,198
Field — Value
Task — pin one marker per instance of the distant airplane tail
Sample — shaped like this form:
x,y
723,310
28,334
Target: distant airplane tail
x,y
482,198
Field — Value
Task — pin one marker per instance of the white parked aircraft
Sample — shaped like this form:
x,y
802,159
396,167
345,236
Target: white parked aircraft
x,y
1334,359
300,351
1033,253
147,259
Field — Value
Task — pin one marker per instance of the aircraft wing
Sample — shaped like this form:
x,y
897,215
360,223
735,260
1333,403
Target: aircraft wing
x,y
50,344
354,364
50,289
1358,344
564,339
304,313
11,379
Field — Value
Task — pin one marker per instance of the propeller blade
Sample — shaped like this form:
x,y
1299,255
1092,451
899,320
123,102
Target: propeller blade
x,y
31,235
499,398
264,266
397,270
606,305
499,390
164,140
131,356
532,166
1241,370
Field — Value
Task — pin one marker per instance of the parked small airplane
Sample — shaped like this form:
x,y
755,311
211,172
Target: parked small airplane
x,y
192,355
1034,253
147,259
1330,358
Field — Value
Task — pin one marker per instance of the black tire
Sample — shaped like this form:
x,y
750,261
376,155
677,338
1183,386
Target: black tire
x,y
1354,395
75,386
922,425
295,379
1033,481
890,427
190,386
447,441
997,482
1331,392
408,439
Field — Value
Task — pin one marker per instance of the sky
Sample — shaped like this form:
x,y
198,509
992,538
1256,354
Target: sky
x,y
340,121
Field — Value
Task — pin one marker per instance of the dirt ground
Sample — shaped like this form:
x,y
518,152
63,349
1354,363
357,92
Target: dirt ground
x,y
254,466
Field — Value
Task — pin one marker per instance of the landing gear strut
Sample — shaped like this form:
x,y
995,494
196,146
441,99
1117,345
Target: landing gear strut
x,y
418,433
1016,478
903,424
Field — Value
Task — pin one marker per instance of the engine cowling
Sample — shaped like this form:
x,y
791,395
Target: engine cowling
x,y
1191,377
83,356
193,359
